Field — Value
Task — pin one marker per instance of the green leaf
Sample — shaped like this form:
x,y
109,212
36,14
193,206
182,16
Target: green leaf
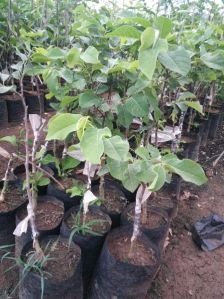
x,y
148,58
124,116
125,31
147,38
43,181
178,61
117,168
189,170
164,25
73,57
138,105
214,60
89,99
130,181
159,179
186,95
92,145
69,163
55,53
5,89
116,148
195,105
61,125
90,55
10,139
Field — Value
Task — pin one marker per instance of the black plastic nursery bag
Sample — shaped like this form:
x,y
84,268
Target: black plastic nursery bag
x,y
208,233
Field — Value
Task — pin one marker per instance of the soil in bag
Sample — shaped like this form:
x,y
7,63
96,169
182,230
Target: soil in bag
x,y
89,234
55,190
154,223
3,114
15,109
14,198
48,217
34,102
60,276
114,201
125,270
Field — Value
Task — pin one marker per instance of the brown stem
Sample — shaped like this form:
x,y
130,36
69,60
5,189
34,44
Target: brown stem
x,y
44,171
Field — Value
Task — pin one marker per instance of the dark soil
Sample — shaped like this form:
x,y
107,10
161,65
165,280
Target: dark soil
x,y
137,253
13,199
48,215
62,259
114,200
188,272
101,226
66,182
152,220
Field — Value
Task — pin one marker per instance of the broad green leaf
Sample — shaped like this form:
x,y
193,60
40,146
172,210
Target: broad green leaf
x,y
195,105
143,153
138,20
5,89
73,57
124,116
61,125
186,95
43,181
139,85
178,61
164,25
189,170
130,181
88,99
83,124
116,148
90,55
92,145
159,179
69,163
55,53
148,58
147,38
145,175
138,105
9,139
125,31
117,168
214,60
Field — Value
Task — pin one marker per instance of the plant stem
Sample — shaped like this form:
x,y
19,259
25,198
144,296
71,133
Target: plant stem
x,y
101,186
32,203
6,180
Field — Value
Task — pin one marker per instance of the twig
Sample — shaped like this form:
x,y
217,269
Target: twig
x,y
217,160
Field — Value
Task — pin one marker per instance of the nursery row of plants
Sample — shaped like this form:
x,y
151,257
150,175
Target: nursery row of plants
x,y
136,92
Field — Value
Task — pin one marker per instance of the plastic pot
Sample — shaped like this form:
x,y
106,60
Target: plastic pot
x,y
119,273
7,216
215,122
156,227
3,114
69,202
166,204
90,244
15,109
65,274
114,195
48,208
35,105
206,127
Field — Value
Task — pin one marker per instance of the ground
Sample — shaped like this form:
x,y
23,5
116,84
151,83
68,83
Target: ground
x,y
186,271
